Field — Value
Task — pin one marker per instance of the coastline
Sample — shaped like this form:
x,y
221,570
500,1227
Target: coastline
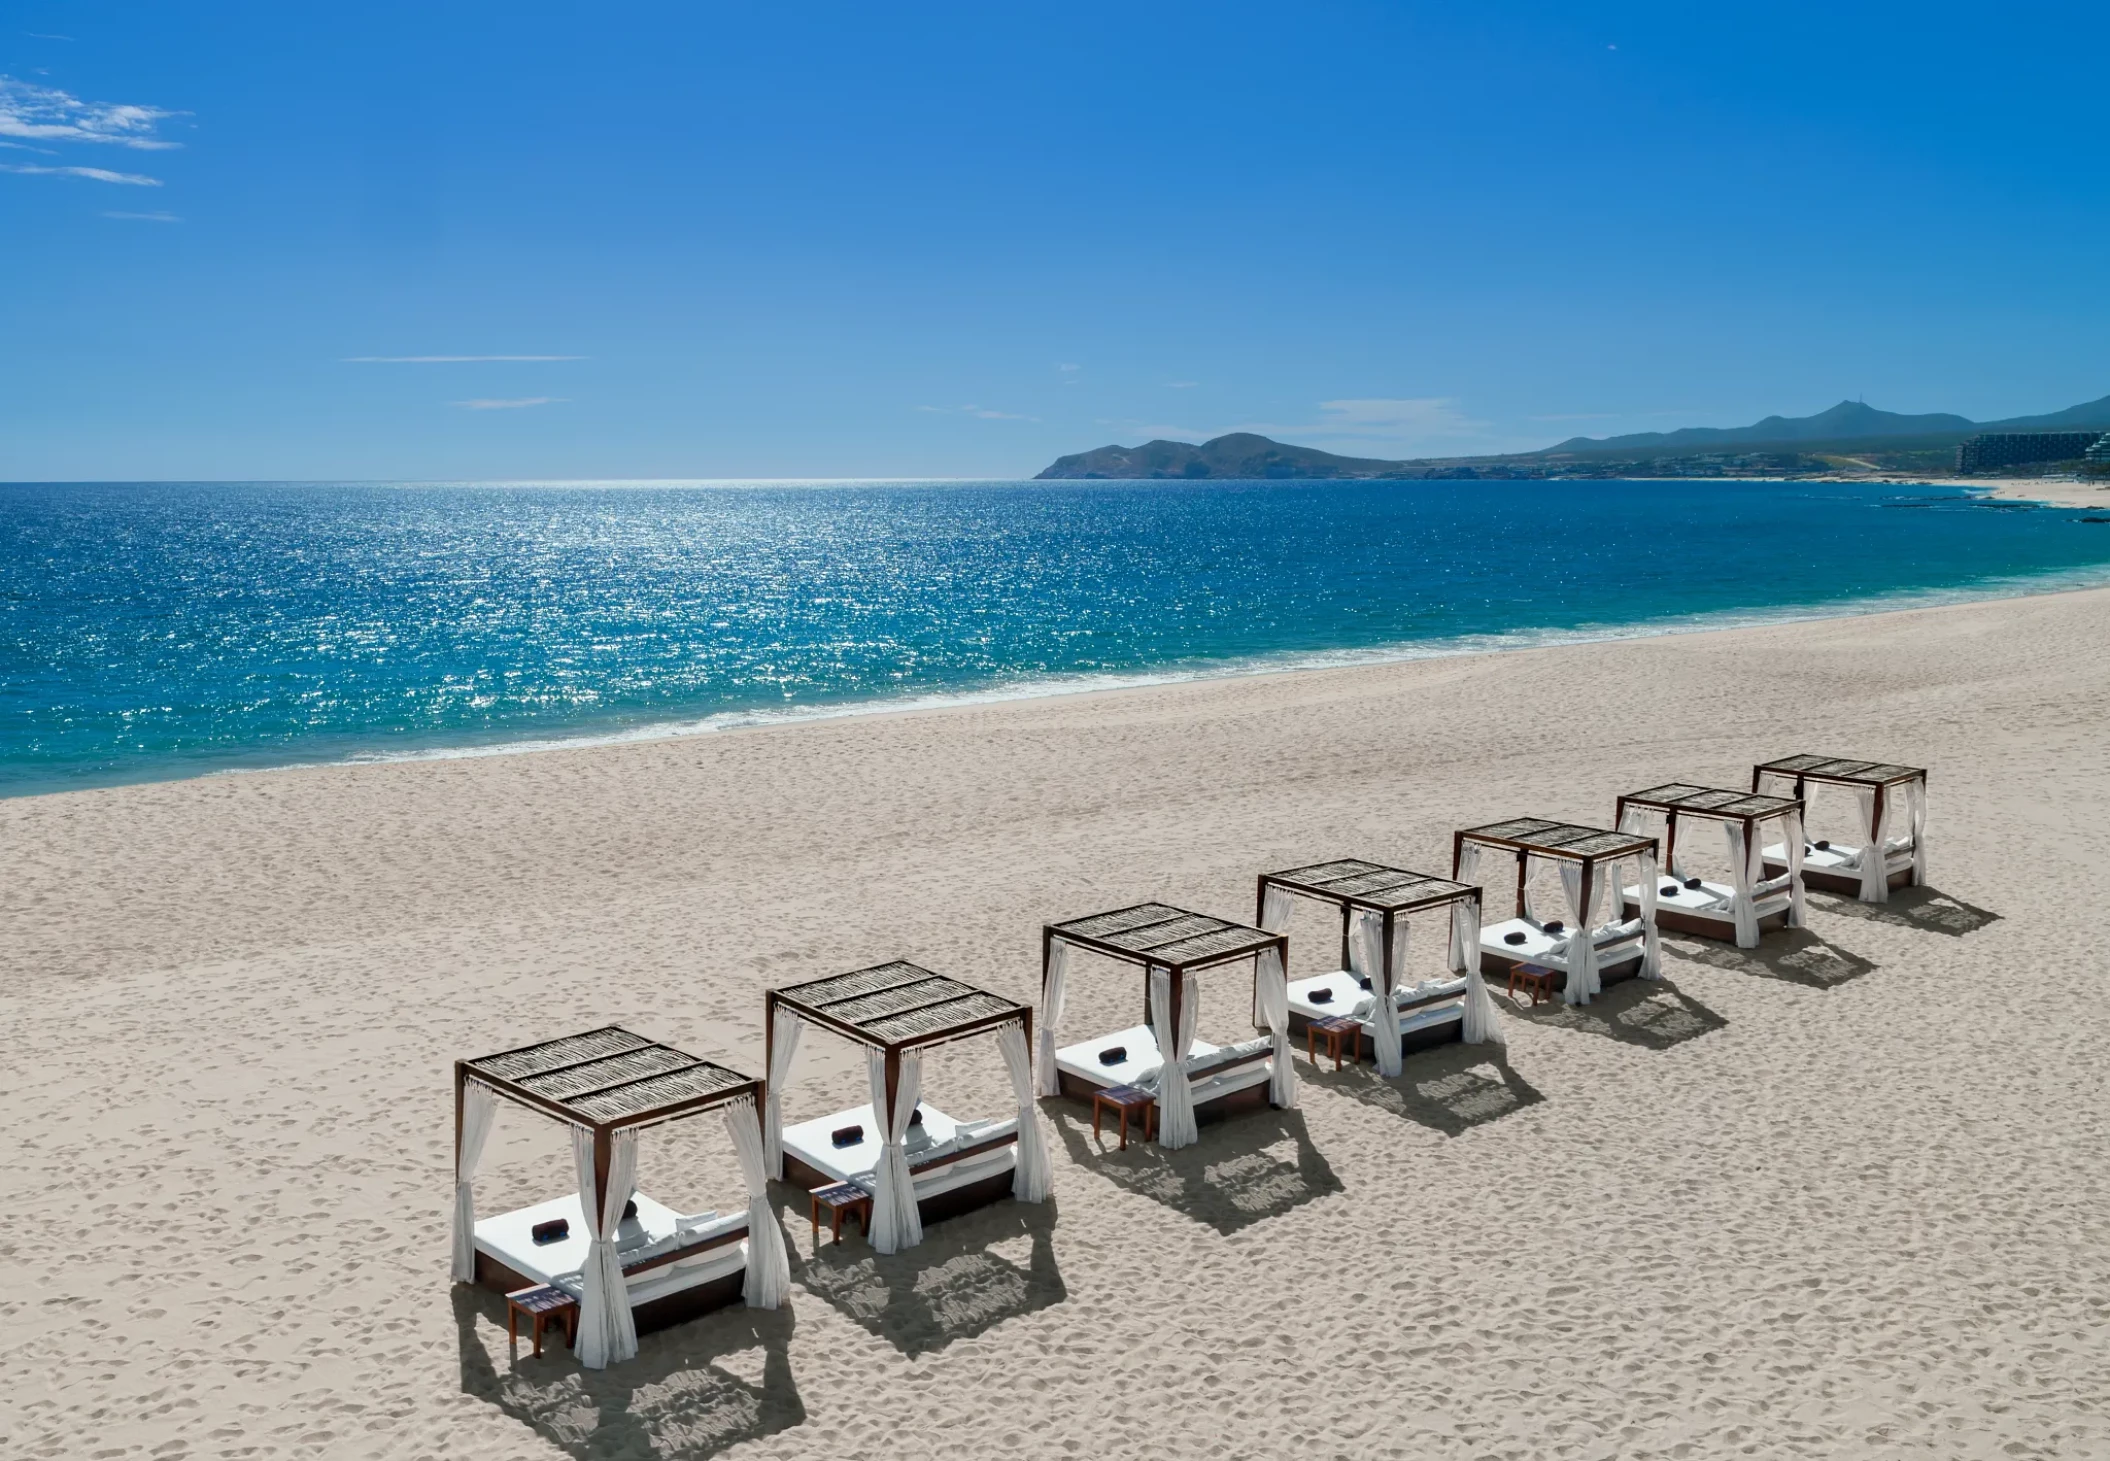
x,y
256,985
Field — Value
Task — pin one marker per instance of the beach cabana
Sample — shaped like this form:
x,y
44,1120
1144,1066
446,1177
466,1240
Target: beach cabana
x,y
1585,953
919,1164
1753,900
630,1263
1171,947
1891,806
1378,906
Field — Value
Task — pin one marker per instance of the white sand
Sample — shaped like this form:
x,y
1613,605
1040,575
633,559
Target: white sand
x,y
1846,1200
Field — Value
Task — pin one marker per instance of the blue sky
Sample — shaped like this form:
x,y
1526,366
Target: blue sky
x,y
474,241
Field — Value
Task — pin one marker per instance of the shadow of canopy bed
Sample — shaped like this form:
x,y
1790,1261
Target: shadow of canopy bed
x,y
1754,901
919,1164
1884,795
1377,905
1590,860
632,1264
1171,946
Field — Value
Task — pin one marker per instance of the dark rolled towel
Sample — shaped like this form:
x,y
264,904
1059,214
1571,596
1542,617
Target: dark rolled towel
x,y
1554,925
847,1135
556,1230
1692,882
630,1211
1669,890
915,1117
1320,996
1512,938
1363,980
1113,1055
1824,844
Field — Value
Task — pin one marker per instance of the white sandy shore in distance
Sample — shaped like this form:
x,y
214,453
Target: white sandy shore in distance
x,y
1844,1198
2068,493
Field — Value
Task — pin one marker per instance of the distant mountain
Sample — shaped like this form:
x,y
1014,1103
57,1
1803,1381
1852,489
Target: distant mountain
x,y
1240,455
1847,421
1848,428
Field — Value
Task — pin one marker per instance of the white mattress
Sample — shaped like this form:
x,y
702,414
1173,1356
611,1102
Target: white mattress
x,y
1842,857
1082,1060
1709,900
509,1238
1614,943
809,1142
1348,993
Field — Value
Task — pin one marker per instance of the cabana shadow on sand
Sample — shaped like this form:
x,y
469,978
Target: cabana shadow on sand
x,y
1375,903
630,1263
919,1164
1590,861
1202,1081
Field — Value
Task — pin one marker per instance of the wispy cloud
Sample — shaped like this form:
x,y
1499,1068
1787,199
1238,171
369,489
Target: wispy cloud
x,y
99,174
515,404
980,413
39,35
448,359
46,114
145,217
1181,385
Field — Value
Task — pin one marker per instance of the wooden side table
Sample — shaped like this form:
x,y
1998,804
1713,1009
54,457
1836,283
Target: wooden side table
x,y
1536,978
843,1199
1125,1099
540,1304
1333,1029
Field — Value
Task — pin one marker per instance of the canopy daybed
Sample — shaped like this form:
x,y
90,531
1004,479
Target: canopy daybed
x,y
1885,796
1753,900
1376,904
919,1164
632,1264
1589,859
1171,946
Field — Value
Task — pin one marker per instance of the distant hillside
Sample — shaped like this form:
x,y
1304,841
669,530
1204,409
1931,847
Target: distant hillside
x,y
1240,455
1849,429
1847,421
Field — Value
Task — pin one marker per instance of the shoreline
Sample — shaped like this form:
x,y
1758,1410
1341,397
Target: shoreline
x,y
678,727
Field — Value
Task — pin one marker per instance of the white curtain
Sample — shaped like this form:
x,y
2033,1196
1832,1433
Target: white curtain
x,y
1641,822
607,1331
785,1044
1275,910
1468,873
1051,1015
1582,944
1916,798
1482,1026
768,1282
1384,986
895,1222
479,1115
1875,865
1651,940
1791,845
1271,982
1176,1126
1034,1176
1744,882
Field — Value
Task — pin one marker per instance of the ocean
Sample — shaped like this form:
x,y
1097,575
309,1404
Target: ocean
x,y
152,630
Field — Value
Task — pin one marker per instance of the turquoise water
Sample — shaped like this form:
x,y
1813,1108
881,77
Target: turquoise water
x,y
155,629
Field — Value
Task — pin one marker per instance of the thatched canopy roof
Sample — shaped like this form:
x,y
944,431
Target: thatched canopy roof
x,y
609,1077
898,1006
1562,840
1704,801
1172,938
1351,883
1838,771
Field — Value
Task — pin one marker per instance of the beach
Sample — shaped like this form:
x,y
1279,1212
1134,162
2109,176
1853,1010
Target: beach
x,y
1841,1196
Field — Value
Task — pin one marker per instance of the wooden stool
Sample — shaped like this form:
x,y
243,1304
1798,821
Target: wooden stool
x,y
1536,978
1333,1029
841,1199
539,1304
1125,1099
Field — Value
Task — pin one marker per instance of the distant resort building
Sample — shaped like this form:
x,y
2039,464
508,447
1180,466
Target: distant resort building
x,y
1991,450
